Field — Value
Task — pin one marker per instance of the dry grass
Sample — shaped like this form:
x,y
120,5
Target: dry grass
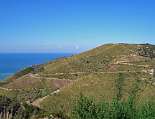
x,y
109,59
101,87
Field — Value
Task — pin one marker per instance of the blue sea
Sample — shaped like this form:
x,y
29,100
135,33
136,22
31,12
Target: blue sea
x,y
13,62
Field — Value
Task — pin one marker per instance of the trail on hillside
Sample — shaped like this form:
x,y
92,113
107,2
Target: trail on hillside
x,y
38,101
6,89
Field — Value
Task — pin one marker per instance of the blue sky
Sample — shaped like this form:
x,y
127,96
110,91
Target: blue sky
x,y
73,25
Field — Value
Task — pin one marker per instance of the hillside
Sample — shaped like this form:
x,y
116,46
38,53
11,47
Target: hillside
x,y
55,85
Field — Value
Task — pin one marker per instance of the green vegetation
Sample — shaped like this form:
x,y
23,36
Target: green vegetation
x,y
12,109
87,108
116,81
22,73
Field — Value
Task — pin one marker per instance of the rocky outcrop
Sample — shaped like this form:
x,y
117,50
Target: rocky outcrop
x,y
146,51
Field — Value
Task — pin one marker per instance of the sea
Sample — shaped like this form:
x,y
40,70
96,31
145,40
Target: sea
x,y
10,63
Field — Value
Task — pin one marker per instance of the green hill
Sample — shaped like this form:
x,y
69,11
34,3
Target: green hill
x,y
55,85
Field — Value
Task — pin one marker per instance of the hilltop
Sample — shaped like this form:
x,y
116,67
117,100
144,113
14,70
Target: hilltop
x,y
54,86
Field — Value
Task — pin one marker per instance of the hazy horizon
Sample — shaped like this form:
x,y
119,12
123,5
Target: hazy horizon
x,y
73,53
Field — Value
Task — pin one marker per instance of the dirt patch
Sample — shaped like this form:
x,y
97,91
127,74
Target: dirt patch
x,y
60,83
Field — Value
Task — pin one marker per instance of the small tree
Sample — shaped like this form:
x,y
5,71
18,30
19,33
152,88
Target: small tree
x,y
85,108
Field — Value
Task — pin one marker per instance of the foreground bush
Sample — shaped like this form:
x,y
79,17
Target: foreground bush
x,y
12,109
86,108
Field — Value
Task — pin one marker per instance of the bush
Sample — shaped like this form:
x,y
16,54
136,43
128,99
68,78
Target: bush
x,y
13,109
86,108
147,111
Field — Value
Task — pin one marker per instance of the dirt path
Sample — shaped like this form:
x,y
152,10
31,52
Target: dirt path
x,y
114,72
38,101
130,64
6,89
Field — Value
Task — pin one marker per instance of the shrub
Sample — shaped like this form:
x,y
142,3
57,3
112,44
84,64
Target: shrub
x,y
86,108
12,109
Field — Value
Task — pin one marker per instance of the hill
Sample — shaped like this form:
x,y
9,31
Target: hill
x,y
55,85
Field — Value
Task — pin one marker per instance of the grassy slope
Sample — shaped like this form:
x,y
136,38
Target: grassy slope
x,y
30,88
106,58
93,60
101,87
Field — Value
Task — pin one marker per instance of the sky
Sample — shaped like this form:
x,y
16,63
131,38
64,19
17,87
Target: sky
x,y
74,25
